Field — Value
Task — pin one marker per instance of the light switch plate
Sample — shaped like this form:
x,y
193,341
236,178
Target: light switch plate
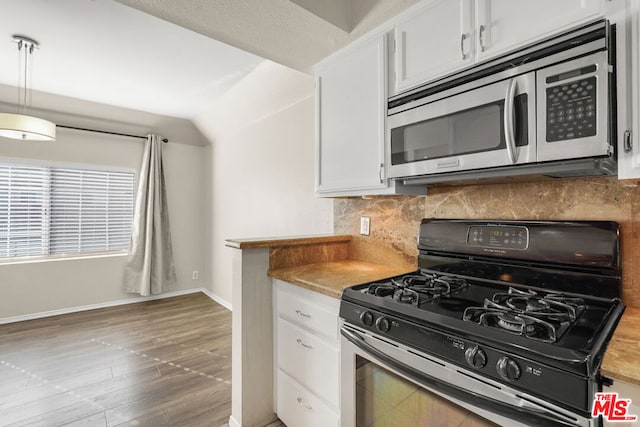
x,y
364,225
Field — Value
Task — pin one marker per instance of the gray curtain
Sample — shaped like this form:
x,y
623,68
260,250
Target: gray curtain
x,y
150,268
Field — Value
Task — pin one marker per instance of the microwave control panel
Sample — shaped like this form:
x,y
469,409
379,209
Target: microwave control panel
x,y
498,237
571,104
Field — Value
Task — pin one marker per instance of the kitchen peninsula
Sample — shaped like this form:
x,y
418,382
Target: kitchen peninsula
x,y
323,264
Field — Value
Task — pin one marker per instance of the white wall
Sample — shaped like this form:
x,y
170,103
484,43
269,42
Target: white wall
x,y
261,165
37,287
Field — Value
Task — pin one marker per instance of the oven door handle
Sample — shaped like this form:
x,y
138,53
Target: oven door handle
x,y
510,120
528,416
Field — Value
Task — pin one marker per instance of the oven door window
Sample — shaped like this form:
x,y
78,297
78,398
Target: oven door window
x,y
474,130
384,398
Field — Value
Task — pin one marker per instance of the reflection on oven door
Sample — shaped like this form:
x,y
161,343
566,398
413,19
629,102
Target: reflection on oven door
x,y
386,383
384,398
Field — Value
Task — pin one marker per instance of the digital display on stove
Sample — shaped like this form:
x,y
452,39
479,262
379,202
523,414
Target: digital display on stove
x,y
498,237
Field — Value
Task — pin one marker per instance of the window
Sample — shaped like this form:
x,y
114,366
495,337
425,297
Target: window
x,y
51,210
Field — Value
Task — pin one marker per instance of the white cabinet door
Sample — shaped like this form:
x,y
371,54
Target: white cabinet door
x,y
503,25
297,407
628,82
310,360
433,41
351,97
307,355
318,317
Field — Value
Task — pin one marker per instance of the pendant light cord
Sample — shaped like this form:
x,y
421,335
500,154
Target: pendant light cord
x,y
25,76
28,75
25,55
19,76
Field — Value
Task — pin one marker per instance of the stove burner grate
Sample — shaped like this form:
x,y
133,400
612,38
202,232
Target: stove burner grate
x,y
544,318
419,288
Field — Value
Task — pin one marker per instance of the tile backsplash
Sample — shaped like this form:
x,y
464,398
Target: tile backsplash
x,y
395,219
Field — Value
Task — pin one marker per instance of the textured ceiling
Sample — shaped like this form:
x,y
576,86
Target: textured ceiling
x,y
295,33
106,52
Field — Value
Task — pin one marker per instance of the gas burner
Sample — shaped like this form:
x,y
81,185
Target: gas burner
x,y
514,323
407,296
541,317
381,289
412,280
417,288
556,307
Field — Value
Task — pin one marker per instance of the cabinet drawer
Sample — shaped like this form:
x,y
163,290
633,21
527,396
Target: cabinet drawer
x,y
309,360
298,407
321,318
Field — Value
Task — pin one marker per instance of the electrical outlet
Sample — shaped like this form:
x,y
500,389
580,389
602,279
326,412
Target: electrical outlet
x,y
195,275
364,225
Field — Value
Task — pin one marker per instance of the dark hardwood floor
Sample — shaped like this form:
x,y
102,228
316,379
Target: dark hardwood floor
x,y
156,363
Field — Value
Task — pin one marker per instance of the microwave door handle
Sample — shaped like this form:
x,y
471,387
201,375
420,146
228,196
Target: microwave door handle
x,y
509,121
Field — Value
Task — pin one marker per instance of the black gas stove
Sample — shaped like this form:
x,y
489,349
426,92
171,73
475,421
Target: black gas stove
x,y
526,306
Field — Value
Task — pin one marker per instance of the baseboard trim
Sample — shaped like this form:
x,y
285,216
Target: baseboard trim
x,y
233,422
223,302
58,312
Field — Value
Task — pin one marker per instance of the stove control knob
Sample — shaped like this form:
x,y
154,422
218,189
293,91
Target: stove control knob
x,y
383,324
508,369
367,318
475,357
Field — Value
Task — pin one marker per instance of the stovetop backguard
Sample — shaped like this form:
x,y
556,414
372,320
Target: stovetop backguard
x,y
580,257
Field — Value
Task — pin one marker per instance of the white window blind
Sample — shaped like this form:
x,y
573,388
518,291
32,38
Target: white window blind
x,y
54,210
23,206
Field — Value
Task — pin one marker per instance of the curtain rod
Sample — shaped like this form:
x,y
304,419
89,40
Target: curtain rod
x,y
165,140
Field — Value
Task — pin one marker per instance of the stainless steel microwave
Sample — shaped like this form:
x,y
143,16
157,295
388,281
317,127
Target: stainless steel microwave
x,y
542,111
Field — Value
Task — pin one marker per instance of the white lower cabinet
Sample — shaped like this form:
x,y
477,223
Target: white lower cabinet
x,y
299,407
309,359
307,356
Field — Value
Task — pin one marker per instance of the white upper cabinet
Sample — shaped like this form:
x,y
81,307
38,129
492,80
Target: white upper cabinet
x,y
433,41
439,37
351,96
503,25
628,82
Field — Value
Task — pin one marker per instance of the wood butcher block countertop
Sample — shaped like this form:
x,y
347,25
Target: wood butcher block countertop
x,y
331,278
622,359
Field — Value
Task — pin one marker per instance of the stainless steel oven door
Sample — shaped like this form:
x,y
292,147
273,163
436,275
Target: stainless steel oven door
x,y
573,109
484,397
490,126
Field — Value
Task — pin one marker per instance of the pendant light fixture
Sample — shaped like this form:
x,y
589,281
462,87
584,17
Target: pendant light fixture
x,y
21,126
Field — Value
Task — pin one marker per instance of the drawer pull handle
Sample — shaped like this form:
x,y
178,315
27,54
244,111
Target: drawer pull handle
x,y
299,341
303,314
305,405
